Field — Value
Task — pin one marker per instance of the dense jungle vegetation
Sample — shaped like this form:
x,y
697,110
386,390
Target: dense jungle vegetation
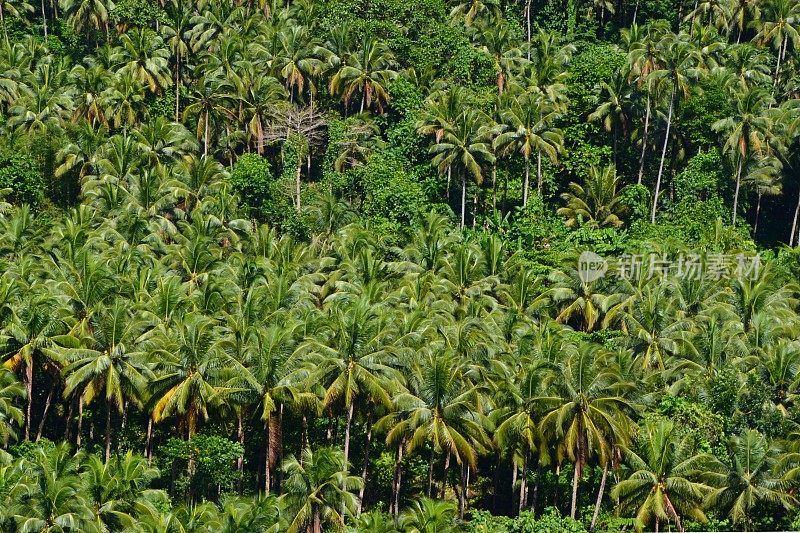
x,y
313,265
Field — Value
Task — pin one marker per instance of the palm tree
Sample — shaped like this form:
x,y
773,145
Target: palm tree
x,y
662,487
780,25
316,487
746,132
596,203
527,125
497,41
471,9
753,476
369,71
109,364
209,98
353,359
87,15
586,408
464,147
299,61
430,516
144,56
34,327
615,108
678,67
189,373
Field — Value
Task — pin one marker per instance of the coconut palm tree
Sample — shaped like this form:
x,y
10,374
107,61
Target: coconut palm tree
x,y
664,485
368,71
315,488
527,125
597,203
753,476
746,132
586,409
466,148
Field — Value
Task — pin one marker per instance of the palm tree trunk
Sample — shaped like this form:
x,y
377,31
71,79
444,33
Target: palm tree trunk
x,y
297,184
366,465
46,407
80,422
398,473
494,186
528,25
644,136
539,172
462,493
267,455
346,453
463,198
149,442
738,185
758,212
68,425
177,86
575,478
108,429
525,185
443,488
240,459
205,135
599,501
449,178
793,235
29,387
513,481
663,157
523,485
363,98
44,21
3,22
781,51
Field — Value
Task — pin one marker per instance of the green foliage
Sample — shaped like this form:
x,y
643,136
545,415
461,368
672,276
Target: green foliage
x,y
20,173
252,179
139,13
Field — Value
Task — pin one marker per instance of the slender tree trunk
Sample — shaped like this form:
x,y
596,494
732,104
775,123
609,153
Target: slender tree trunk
x,y
3,22
363,98
793,235
108,429
781,51
513,482
431,460
297,185
635,11
68,428
525,184
149,442
738,185
80,422
494,186
240,459
575,479
398,473
443,488
44,21
644,135
758,212
539,182
365,468
535,498
29,387
449,177
523,485
599,501
177,85
663,157
346,453
528,25
205,135
557,487
46,408
462,493
463,198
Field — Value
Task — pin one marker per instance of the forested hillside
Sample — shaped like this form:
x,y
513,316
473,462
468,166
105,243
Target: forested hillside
x,y
399,266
